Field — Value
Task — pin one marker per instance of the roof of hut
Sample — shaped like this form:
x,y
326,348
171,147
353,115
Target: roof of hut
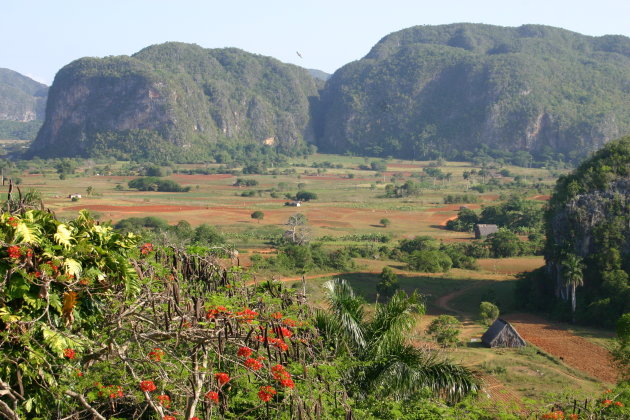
x,y
485,230
502,334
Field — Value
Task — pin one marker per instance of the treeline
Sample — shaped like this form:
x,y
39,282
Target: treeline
x,y
515,214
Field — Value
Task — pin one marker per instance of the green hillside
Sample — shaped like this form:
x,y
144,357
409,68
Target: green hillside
x,y
173,101
445,90
22,104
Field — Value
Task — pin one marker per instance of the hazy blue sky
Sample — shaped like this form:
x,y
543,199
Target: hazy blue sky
x,y
41,36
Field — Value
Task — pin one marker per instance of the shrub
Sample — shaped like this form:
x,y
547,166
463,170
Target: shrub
x,y
445,329
488,312
305,196
388,284
432,261
150,183
385,222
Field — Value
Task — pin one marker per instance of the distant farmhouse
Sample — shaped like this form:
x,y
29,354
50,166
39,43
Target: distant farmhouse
x,y
293,203
481,231
502,334
75,196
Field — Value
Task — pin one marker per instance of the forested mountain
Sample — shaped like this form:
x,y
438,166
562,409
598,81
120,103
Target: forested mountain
x,y
318,74
22,105
423,92
444,90
172,101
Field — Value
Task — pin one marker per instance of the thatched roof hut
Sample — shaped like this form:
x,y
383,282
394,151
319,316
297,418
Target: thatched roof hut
x,y
481,230
502,334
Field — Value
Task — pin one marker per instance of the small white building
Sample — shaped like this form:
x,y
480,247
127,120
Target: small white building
x,y
77,196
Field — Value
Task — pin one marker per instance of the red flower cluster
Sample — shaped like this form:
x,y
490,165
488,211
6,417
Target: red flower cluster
x,y
147,386
218,311
14,252
266,393
247,315
276,315
168,418
164,400
244,352
554,415
281,375
12,221
69,353
146,248
276,342
212,396
222,378
53,267
114,391
253,364
156,355
608,402
289,322
286,332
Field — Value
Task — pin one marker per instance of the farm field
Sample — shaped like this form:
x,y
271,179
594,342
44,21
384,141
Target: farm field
x,y
352,202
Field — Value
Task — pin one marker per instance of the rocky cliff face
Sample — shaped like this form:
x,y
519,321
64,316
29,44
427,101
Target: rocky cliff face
x,y
446,89
21,98
589,217
175,98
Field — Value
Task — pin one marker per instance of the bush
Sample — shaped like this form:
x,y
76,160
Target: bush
x,y
388,284
385,222
150,183
445,329
504,244
305,196
432,261
488,312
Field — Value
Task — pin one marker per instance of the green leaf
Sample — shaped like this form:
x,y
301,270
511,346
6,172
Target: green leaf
x,y
63,236
72,267
24,233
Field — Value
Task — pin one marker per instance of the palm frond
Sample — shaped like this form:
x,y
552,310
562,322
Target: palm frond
x,y
392,322
347,309
407,370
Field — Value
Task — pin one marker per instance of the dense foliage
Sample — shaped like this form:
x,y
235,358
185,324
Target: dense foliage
x,y
525,93
588,245
151,183
99,324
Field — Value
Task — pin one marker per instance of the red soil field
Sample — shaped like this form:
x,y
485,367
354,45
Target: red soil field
x,y
575,351
541,197
201,177
136,209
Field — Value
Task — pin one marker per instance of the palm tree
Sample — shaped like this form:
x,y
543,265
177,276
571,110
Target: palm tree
x,y
573,277
383,362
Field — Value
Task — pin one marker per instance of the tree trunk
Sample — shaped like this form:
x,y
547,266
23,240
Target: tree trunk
x,y
573,302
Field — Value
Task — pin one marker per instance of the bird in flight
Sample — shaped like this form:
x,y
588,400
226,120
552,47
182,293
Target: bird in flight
x,y
298,53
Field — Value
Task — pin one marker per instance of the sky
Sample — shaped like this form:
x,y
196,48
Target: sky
x,y
42,36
